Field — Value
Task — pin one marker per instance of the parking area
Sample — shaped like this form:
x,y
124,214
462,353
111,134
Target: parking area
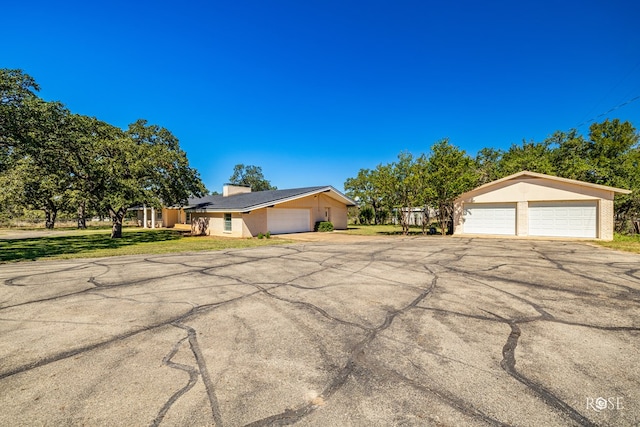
x,y
360,332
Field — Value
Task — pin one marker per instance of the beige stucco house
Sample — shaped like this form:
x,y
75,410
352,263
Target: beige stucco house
x,y
534,204
239,212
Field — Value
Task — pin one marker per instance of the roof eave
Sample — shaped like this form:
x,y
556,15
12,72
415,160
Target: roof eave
x,y
336,195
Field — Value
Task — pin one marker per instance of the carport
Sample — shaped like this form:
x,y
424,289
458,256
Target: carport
x,y
534,204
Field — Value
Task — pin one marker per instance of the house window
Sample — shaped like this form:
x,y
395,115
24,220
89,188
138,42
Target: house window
x,y
227,222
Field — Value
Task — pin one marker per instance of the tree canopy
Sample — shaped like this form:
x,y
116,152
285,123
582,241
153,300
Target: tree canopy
x,y
608,155
250,176
54,160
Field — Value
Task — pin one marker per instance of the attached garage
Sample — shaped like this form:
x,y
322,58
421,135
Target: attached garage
x,y
280,221
563,219
490,218
534,204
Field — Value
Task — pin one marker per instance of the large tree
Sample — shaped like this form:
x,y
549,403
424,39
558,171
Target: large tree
x,y
143,165
366,189
531,156
407,191
487,164
35,145
16,90
450,172
250,176
615,160
82,161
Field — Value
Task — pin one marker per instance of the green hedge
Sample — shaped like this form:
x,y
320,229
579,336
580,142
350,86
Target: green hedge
x,y
323,226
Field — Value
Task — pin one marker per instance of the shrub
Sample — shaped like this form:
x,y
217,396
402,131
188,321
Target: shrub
x,y
260,236
268,235
323,226
366,215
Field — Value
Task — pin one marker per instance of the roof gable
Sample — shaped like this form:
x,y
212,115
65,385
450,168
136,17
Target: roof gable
x,y
524,174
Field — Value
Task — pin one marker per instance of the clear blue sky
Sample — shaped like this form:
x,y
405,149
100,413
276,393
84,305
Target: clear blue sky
x,y
313,91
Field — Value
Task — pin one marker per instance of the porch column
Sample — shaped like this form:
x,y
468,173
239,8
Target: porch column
x,y
153,217
144,216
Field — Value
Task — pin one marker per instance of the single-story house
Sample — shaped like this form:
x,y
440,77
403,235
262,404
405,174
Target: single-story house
x,y
239,212
535,204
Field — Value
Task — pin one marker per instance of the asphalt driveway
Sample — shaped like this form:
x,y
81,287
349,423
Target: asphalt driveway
x,y
372,332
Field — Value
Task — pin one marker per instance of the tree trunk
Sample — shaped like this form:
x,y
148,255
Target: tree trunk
x,y
117,218
443,220
50,214
375,214
404,220
425,219
82,220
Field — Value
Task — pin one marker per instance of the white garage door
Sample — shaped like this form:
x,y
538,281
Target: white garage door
x,y
281,221
489,218
563,219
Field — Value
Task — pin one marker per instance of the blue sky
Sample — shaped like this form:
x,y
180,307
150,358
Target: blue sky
x,y
313,91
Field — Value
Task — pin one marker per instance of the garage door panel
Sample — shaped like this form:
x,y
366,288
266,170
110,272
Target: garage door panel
x,y
490,218
281,220
563,219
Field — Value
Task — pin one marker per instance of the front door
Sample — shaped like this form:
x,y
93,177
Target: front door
x,y
327,214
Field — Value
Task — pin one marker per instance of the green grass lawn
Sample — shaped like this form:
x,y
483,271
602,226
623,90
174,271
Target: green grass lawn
x,y
97,243
623,242
384,230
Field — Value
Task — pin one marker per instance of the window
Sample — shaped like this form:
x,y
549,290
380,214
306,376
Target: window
x,y
227,222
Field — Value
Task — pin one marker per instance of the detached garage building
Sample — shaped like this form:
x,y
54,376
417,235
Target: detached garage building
x,y
239,212
534,204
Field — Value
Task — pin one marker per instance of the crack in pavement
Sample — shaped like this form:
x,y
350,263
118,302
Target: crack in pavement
x,y
290,416
73,352
356,353
193,376
508,364
560,266
508,361
450,399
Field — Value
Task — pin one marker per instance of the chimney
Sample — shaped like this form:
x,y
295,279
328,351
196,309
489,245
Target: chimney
x,y
230,190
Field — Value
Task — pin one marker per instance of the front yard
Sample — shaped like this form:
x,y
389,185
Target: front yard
x,y
97,243
384,230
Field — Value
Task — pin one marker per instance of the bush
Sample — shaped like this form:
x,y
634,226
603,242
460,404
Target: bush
x,y
366,215
323,226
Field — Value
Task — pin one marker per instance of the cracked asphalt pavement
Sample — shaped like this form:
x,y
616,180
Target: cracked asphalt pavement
x,y
369,332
